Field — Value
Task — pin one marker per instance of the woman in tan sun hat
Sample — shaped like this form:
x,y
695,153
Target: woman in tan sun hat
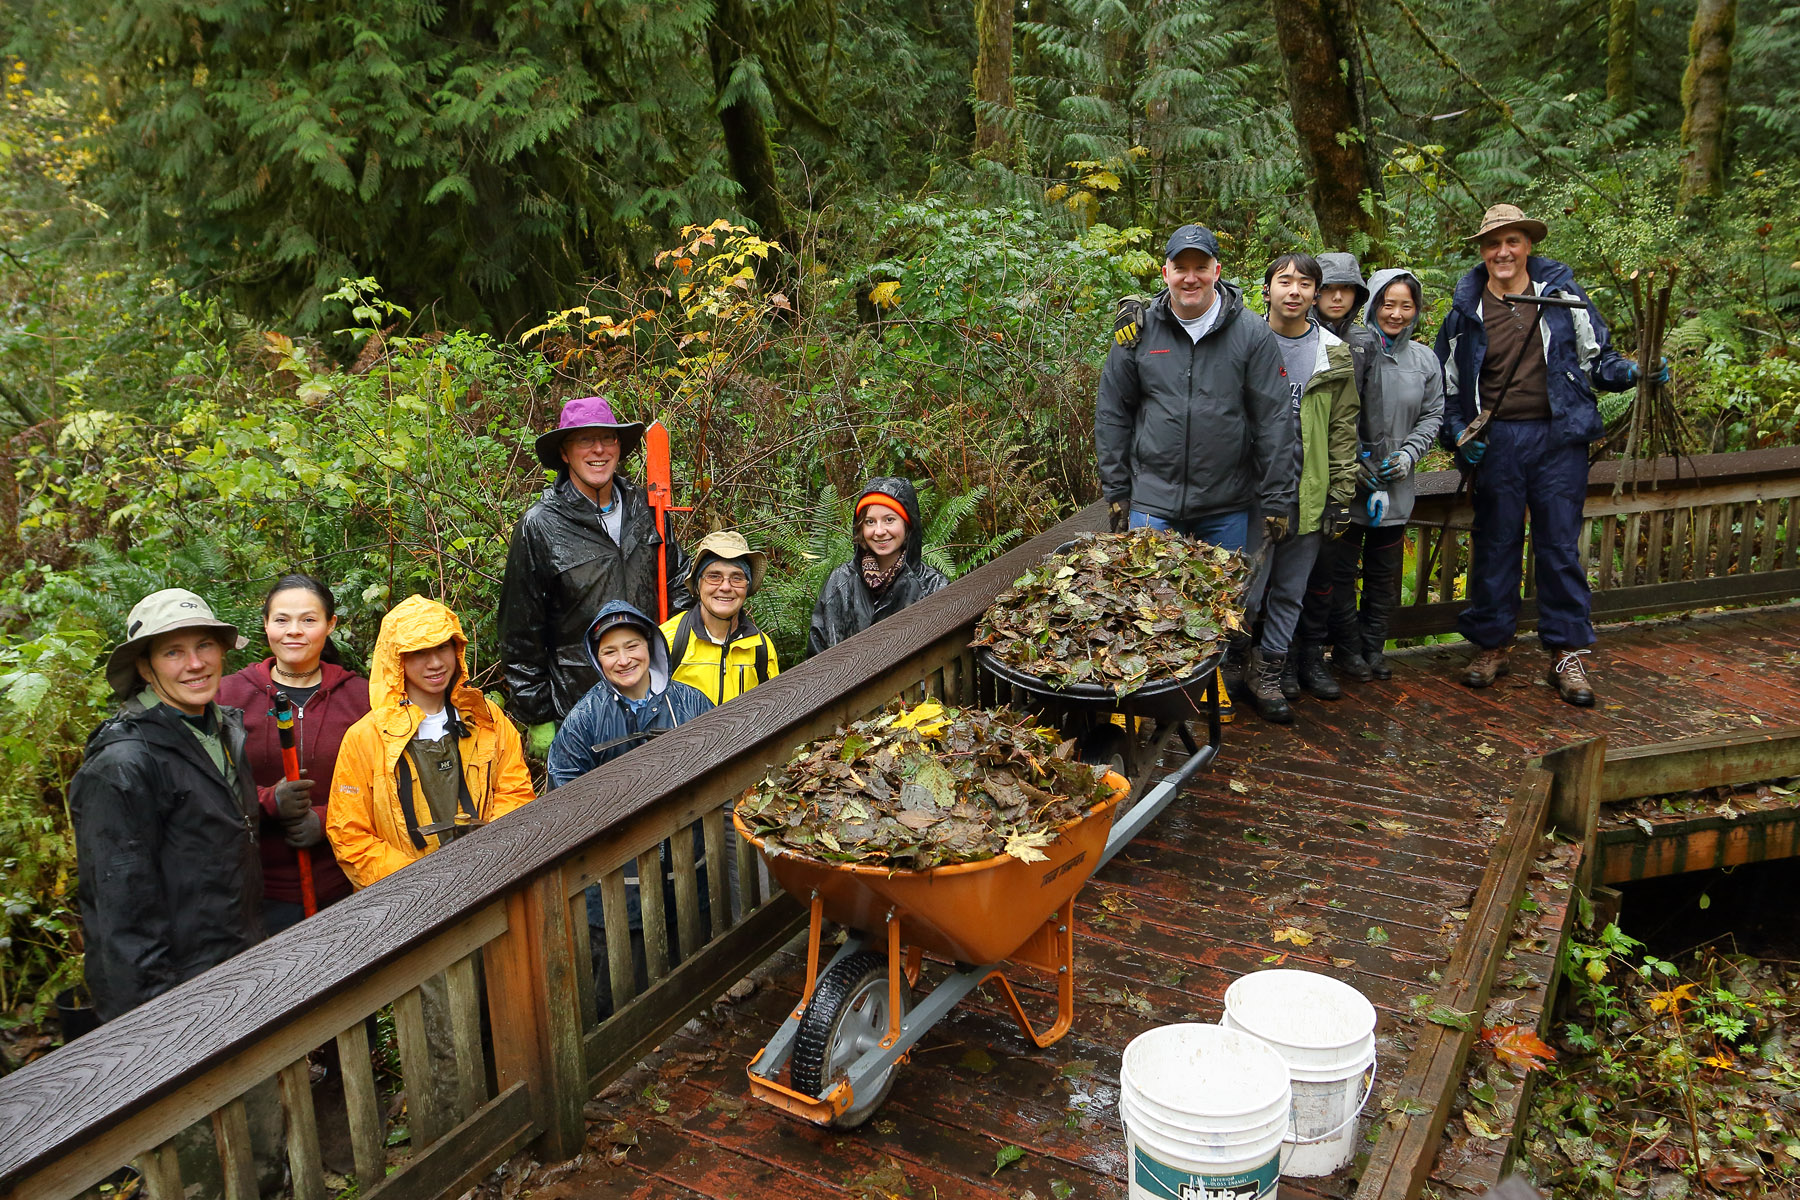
x,y
165,811
1530,370
715,646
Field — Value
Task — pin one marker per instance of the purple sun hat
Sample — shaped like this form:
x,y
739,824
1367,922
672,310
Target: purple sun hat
x,y
588,412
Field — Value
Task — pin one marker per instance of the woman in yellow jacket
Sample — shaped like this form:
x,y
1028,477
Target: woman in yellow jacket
x,y
432,754
715,646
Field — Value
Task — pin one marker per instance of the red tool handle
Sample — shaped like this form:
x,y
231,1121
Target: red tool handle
x,y
290,769
659,483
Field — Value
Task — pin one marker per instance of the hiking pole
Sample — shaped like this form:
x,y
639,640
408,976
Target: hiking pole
x,y
659,482
290,770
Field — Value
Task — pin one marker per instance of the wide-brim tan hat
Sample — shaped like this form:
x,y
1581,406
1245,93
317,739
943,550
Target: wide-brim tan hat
x,y
727,544
158,613
1507,216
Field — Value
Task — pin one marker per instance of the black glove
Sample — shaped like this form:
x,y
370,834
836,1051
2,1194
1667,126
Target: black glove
x,y
1335,521
305,831
293,799
1118,516
1275,530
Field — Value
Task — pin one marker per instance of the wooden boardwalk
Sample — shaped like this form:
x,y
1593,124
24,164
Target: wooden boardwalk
x,y
1357,837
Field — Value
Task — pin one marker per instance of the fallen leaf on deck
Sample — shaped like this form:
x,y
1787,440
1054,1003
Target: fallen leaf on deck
x,y
1005,1157
1481,1128
1298,937
1519,1047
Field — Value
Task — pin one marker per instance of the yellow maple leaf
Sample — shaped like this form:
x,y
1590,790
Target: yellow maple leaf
x,y
885,295
1671,1000
1721,1062
928,718
1298,937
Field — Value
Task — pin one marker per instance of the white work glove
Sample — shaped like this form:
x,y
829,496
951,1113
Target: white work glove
x,y
1395,467
1378,506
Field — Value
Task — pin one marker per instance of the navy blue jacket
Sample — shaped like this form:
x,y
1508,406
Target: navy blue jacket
x,y
603,716
1578,354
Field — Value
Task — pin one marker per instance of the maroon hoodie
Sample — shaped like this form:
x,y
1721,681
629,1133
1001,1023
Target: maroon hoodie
x,y
319,728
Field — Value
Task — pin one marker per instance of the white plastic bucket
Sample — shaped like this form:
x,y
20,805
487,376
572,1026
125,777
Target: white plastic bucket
x,y
1205,1111
1325,1030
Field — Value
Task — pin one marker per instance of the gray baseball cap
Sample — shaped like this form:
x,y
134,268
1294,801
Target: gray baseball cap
x,y
160,612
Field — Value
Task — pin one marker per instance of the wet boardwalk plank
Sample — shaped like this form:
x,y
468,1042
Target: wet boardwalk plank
x,y
1375,813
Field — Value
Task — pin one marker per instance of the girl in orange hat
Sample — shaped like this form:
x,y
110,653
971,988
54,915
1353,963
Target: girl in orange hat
x,y
885,574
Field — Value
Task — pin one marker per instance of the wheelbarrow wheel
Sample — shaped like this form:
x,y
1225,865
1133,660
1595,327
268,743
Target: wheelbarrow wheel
x,y
847,1017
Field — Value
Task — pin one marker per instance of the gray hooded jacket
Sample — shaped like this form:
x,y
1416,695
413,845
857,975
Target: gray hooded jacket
x,y
1187,429
1405,405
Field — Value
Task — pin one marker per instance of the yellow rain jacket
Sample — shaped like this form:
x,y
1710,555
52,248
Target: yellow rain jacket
x,y
720,672
366,824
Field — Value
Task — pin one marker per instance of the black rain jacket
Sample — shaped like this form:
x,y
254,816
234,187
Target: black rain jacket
x,y
171,876
1187,429
562,569
846,607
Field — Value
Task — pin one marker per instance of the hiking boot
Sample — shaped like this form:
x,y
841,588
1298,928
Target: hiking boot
x,y
1486,666
1374,654
1350,661
1231,673
1290,677
1315,676
1569,677
1263,680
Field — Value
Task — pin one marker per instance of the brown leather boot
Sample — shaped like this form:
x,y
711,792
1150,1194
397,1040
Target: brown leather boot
x,y
1569,677
1486,666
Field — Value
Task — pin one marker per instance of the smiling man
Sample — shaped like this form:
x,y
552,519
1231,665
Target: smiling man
x,y
1193,424
591,538
1321,381
1532,370
165,811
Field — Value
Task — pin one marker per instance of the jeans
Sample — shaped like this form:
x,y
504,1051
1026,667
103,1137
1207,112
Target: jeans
x,y
1228,529
1524,472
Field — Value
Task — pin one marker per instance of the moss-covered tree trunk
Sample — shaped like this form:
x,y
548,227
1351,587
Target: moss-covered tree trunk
x,y
993,74
1705,102
730,41
1621,52
1323,62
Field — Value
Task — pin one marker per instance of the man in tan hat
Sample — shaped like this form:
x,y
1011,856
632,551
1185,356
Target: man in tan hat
x,y
1523,350
165,811
715,646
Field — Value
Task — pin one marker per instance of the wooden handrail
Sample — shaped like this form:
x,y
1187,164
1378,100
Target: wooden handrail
x,y
65,1103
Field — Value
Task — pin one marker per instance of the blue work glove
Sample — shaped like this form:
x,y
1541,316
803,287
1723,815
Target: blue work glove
x,y
1377,506
1473,452
1395,467
1662,371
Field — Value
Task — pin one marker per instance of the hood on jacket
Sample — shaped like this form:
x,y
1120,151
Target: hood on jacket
x,y
901,490
1379,284
1341,268
419,624
619,612
157,725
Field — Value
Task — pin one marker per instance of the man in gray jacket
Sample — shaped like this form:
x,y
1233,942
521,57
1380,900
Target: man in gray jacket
x,y
1193,425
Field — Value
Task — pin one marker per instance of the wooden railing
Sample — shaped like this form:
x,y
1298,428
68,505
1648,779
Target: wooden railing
x,y
1694,532
494,928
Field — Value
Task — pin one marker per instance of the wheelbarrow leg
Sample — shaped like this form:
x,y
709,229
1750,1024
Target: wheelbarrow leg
x,y
1051,950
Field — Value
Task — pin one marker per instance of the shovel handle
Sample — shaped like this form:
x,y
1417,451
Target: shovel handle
x,y
290,770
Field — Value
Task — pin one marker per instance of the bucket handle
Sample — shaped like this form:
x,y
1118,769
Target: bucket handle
x,y
1368,1090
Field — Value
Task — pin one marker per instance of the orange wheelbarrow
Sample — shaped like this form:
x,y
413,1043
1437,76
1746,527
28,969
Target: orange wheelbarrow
x,y
856,1023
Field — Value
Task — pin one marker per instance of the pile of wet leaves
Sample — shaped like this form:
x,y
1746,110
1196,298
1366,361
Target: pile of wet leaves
x,y
1118,610
1729,802
926,787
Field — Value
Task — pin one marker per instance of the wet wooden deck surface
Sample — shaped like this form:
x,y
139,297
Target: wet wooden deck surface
x,y
1363,828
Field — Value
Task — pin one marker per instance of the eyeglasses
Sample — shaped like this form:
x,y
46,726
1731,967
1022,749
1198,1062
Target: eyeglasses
x,y
725,579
